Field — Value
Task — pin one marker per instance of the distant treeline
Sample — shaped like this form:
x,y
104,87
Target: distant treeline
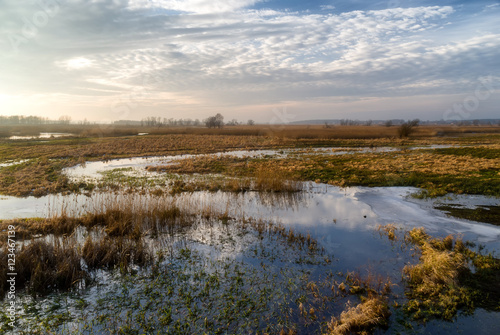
x,y
25,120
153,121
216,121
19,119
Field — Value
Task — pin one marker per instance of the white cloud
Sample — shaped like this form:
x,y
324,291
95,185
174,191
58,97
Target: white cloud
x,y
221,55
76,63
193,6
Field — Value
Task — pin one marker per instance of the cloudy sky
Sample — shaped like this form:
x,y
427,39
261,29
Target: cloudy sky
x,y
267,60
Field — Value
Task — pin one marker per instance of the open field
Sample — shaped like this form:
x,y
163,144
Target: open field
x,y
260,229
281,131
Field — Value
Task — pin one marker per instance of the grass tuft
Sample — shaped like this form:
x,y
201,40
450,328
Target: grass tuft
x,y
372,312
44,266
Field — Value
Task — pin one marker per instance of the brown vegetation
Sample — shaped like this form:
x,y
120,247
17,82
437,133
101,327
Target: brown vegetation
x,y
45,266
372,312
109,252
42,174
48,259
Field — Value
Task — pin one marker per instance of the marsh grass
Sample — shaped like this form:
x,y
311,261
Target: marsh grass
x,y
49,255
43,266
240,175
43,173
437,174
34,177
449,277
270,179
119,231
107,253
119,216
288,131
372,312
169,293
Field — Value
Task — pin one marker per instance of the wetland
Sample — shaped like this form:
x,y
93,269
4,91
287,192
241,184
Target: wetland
x,y
252,233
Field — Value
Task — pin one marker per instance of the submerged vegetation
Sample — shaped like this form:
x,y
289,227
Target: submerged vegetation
x,y
150,244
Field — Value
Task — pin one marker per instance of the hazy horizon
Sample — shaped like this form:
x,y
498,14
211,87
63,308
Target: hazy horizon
x,y
270,61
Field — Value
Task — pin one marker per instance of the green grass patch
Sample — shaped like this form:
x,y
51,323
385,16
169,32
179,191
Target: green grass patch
x,y
486,214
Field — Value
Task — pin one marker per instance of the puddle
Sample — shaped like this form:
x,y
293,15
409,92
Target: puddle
x,y
11,163
40,136
95,170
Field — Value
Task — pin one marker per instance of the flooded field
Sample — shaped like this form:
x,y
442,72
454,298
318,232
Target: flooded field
x,y
143,247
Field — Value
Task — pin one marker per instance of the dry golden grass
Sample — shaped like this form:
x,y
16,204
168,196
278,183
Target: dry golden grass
x,y
36,178
116,223
267,177
42,175
437,269
372,312
423,162
270,179
439,265
202,140
240,130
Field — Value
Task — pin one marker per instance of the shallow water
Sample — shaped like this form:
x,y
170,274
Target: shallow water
x,y
40,136
343,221
321,208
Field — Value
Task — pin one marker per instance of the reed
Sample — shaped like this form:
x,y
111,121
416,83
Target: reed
x,y
43,266
110,252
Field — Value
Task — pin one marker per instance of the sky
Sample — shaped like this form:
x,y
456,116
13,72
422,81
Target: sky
x,y
265,60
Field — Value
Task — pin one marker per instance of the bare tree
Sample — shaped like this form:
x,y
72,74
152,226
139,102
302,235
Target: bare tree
x,y
216,121
219,120
407,128
233,122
